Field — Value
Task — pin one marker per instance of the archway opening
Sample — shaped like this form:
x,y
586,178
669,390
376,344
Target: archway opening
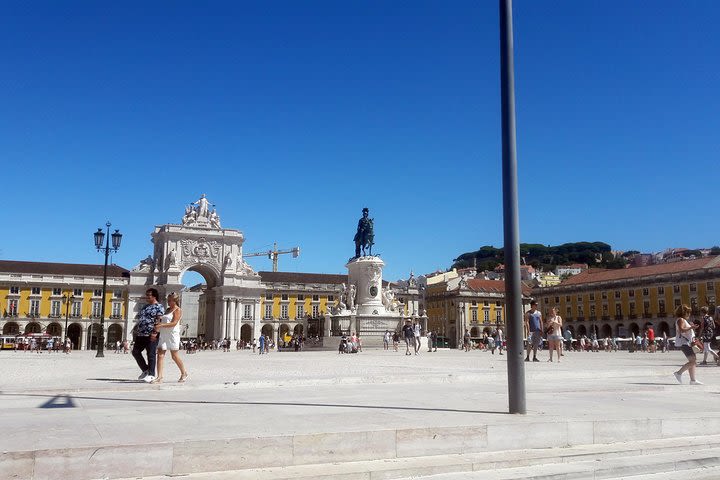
x,y
54,329
475,332
33,327
268,330
246,333
663,327
114,334
74,332
298,330
198,303
620,330
582,330
606,331
92,336
634,329
11,328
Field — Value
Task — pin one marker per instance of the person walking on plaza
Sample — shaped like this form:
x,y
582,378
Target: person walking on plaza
x,y
466,341
418,338
499,339
146,335
169,338
261,343
431,341
386,340
707,334
409,335
396,340
533,325
684,340
554,335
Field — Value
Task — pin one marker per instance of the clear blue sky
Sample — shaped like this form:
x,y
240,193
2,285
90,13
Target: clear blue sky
x,y
292,116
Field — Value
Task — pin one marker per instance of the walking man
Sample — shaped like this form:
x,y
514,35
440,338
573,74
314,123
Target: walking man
x,y
146,335
416,333
707,334
533,325
409,335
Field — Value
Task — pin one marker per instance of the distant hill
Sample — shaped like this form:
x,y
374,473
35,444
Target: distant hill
x,y
595,254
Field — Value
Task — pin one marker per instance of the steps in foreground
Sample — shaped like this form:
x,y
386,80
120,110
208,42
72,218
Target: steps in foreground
x,y
694,457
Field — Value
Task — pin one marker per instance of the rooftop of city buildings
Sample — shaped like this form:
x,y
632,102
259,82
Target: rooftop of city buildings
x,y
74,269
595,275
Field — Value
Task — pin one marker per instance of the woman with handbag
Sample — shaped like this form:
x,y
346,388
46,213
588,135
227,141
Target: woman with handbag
x,y
169,327
684,340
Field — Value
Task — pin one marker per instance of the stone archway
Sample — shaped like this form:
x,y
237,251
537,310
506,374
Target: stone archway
x,y
91,340
54,329
114,334
475,332
201,245
634,329
663,327
299,329
11,328
268,330
581,330
606,331
33,327
571,329
246,333
74,333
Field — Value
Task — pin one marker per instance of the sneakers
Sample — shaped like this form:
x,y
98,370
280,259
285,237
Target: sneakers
x,y
695,382
535,359
527,359
678,376
143,375
149,378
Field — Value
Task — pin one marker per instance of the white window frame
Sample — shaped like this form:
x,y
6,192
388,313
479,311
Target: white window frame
x,y
76,309
284,311
247,311
268,310
34,308
116,309
55,308
299,311
96,309
12,307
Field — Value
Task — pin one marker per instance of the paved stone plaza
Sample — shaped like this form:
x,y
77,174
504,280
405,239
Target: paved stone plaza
x,y
244,411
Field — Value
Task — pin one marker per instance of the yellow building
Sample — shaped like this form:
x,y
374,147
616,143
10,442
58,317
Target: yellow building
x,y
620,302
296,303
460,303
62,299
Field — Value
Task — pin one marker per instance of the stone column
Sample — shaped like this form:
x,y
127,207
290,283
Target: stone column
x,y
239,318
83,341
223,317
256,320
231,319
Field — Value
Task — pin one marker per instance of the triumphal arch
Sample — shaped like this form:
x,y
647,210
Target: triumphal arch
x,y
200,244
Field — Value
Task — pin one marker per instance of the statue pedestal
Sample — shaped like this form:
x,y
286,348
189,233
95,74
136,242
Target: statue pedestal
x,y
365,273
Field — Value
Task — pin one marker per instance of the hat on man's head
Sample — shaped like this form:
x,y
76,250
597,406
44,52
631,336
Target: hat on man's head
x,y
366,210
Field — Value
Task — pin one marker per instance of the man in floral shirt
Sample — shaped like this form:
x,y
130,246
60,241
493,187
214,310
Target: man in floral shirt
x,y
144,328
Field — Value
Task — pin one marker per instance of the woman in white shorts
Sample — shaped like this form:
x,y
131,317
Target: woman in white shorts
x,y
169,327
553,327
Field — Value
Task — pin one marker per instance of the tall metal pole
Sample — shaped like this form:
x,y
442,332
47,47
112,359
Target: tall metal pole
x,y
101,335
513,287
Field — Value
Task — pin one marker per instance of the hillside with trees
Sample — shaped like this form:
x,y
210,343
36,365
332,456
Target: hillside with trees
x,y
594,254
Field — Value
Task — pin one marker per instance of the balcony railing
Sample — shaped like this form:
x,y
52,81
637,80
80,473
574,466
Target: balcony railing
x,y
662,314
54,315
605,317
116,315
593,318
580,319
618,317
633,316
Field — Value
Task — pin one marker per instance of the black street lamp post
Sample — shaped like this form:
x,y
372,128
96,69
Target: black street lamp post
x,y
67,299
101,238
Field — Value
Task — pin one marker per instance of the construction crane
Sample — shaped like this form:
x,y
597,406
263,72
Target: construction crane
x,y
274,254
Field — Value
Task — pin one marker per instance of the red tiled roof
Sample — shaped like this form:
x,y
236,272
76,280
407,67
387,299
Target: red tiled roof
x,y
595,275
300,277
75,269
492,286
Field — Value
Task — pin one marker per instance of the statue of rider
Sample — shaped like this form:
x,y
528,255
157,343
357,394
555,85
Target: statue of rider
x,y
365,235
